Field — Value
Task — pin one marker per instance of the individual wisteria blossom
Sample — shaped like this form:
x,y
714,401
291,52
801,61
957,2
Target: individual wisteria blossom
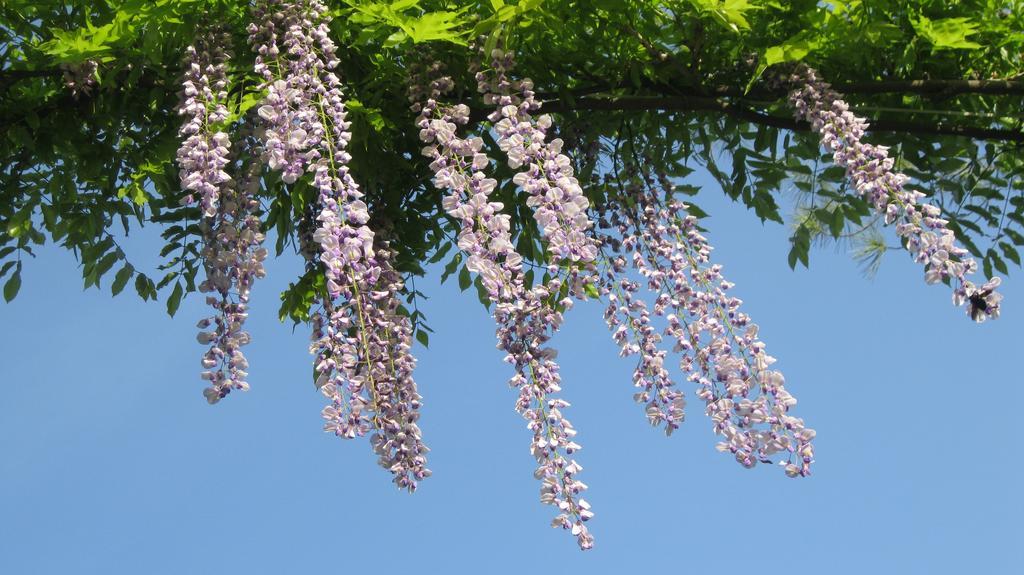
x,y
526,318
870,170
205,148
80,77
361,342
717,344
233,258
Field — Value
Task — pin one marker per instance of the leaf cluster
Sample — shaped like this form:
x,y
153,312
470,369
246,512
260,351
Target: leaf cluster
x,y
682,84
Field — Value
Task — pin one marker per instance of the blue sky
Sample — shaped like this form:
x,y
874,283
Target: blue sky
x,y
112,462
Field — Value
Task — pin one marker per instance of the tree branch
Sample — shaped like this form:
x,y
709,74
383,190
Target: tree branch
x,y
19,74
927,87
705,104
934,87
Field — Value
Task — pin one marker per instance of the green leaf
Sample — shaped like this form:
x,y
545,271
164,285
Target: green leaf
x,y
794,49
440,253
1018,238
947,33
142,286
13,284
121,279
1010,252
999,264
396,38
837,223
423,337
729,13
400,5
175,299
464,279
451,266
106,263
6,268
801,246
481,292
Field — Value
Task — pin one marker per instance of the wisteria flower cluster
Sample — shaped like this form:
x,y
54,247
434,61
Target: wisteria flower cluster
x,y
546,174
205,149
233,258
361,342
628,317
232,252
525,317
870,170
717,344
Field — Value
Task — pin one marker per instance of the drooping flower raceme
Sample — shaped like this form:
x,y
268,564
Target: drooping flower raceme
x,y
870,170
365,366
628,317
526,318
204,151
285,111
232,253
361,342
546,174
233,259
716,342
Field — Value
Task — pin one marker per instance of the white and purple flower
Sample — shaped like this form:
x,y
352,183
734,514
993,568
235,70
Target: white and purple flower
x,y
871,172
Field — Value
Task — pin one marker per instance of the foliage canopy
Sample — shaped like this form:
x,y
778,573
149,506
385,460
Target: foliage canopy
x,y
681,84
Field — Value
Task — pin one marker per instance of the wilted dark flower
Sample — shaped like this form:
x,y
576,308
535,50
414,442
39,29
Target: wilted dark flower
x,y
80,77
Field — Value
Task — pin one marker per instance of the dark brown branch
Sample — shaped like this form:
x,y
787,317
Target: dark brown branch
x,y
704,104
934,87
924,87
927,87
9,77
19,74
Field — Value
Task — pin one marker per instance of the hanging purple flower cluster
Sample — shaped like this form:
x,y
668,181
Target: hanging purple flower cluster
x,y
558,203
233,259
360,340
232,253
870,169
364,366
526,318
203,155
628,317
717,343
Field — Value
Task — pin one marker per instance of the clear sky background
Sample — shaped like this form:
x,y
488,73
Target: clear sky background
x,y
111,461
